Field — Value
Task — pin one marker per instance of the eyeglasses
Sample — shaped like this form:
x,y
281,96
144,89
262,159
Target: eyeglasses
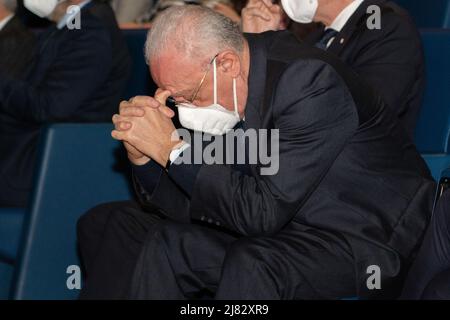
x,y
195,93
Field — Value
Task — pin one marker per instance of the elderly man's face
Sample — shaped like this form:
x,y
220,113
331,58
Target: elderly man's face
x,y
192,80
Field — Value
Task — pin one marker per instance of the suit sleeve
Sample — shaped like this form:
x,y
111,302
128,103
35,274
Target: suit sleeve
x,y
316,116
156,191
79,70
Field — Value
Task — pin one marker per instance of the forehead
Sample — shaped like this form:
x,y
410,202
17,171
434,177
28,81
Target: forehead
x,y
175,73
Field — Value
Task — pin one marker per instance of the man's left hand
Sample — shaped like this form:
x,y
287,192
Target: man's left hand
x,y
152,134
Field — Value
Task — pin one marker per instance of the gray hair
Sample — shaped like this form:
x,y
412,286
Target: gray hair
x,y
10,5
193,30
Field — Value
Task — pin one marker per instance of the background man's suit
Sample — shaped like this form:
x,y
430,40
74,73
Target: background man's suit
x,y
16,48
351,192
72,78
390,59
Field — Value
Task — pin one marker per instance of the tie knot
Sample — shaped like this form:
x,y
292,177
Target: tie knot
x,y
326,37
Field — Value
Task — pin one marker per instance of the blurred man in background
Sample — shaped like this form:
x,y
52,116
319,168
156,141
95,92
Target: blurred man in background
x,y
16,42
74,77
390,57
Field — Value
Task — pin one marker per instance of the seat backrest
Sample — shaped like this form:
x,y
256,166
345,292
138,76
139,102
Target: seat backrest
x,y
428,14
140,82
80,166
433,128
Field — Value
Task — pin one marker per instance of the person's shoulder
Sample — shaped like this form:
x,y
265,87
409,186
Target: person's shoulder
x,y
88,28
283,47
15,25
396,20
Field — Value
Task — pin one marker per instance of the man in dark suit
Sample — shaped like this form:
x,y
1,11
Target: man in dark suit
x,y
77,76
389,58
351,196
429,276
16,42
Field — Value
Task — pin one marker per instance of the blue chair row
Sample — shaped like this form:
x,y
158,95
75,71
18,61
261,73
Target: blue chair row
x,y
80,166
428,14
12,220
433,129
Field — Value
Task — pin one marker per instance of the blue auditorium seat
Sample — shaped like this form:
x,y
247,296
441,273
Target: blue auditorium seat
x,y
433,129
428,14
80,166
140,82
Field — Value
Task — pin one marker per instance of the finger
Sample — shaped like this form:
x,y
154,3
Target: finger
x,y
122,123
162,96
118,135
133,112
253,3
124,126
144,101
268,3
167,111
123,105
265,10
255,12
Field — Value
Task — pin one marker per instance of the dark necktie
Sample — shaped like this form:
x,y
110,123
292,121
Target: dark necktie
x,y
326,37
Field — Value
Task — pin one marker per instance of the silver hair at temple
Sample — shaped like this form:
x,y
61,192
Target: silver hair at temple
x,y
194,31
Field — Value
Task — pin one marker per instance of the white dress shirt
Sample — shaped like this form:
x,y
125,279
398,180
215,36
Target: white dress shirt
x,y
5,21
341,20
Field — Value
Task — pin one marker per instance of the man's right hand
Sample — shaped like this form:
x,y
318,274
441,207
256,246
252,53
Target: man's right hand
x,y
135,107
260,16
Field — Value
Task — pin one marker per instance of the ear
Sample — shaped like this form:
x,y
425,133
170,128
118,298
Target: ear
x,y
229,62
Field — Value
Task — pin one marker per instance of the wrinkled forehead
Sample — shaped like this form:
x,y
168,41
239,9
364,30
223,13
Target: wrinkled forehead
x,y
176,73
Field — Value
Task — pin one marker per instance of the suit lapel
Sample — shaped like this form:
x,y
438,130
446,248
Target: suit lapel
x,y
356,21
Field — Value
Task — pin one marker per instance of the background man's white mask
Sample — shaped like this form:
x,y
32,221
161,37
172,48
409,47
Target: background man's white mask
x,y
302,11
41,8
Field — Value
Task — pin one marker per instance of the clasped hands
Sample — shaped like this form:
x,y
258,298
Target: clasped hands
x,y
144,124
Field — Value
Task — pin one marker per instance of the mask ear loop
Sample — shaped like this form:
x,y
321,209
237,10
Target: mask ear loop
x,y
215,80
235,98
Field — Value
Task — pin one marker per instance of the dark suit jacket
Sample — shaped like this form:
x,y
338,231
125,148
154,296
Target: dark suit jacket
x,y
390,59
73,79
345,165
17,46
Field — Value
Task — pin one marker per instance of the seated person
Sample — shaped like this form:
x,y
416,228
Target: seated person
x,y
72,78
16,41
348,191
429,277
390,58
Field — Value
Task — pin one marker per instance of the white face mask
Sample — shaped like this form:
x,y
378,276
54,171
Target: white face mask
x,y
41,8
302,11
213,119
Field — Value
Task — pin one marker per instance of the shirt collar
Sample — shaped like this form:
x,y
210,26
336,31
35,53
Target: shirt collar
x,y
5,21
340,21
68,17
